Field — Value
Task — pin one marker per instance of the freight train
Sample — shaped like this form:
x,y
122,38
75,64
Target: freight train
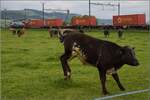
x,y
39,23
133,20
75,22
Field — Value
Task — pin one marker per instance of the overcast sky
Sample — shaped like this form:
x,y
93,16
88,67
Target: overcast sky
x,y
81,7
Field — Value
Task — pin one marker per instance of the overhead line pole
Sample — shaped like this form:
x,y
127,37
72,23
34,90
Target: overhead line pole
x,y
5,15
89,7
43,14
118,8
25,12
89,13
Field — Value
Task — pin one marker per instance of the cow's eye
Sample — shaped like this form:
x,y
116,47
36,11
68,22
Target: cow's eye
x,y
131,54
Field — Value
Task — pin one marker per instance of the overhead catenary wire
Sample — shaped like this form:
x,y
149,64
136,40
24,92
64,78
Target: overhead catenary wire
x,y
107,4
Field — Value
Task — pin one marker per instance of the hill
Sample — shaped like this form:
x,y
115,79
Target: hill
x,y
16,15
33,14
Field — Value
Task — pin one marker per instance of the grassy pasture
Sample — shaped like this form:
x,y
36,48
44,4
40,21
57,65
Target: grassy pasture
x,y
31,69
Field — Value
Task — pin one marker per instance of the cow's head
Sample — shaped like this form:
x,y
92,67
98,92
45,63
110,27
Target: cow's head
x,y
63,32
129,57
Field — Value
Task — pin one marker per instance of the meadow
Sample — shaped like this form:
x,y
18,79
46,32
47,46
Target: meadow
x,y
31,69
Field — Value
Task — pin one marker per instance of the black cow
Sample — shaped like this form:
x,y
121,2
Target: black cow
x,y
120,32
106,32
108,57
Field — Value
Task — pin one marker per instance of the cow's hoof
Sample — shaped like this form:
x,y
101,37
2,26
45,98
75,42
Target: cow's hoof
x,y
106,93
67,78
122,89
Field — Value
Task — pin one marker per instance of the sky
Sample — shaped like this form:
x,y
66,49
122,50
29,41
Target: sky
x,y
81,6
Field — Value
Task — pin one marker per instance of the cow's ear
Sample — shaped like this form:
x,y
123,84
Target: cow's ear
x,y
126,46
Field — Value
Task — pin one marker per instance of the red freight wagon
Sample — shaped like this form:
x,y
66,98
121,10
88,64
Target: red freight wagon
x,y
129,20
83,21
54,22
35,23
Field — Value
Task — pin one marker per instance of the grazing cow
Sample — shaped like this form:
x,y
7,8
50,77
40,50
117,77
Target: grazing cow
x,y
120,32
106,32
106,56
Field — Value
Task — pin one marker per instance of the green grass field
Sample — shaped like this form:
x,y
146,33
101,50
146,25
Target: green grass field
x,y
31,69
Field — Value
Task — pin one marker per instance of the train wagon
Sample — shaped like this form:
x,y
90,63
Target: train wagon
x,y
39,23
83,21
129,20
54,22
34,23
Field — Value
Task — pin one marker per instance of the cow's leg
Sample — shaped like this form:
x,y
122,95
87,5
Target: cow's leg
x,y
66,69
19,35
51,34
116,78
102,76
14,32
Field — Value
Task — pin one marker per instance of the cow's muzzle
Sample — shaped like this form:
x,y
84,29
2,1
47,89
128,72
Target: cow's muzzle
x,y
136,63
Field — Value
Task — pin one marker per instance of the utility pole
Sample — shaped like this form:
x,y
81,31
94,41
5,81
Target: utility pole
x,y
43,14
118,8
25,13
67,15
5,16
89,13
89,7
